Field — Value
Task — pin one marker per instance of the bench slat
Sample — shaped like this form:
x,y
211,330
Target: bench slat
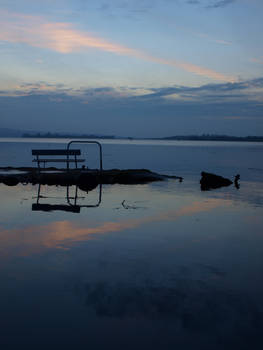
x,y
51,207
55,152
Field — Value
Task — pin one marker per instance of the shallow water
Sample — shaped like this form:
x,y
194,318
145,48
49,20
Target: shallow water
x,y
138,266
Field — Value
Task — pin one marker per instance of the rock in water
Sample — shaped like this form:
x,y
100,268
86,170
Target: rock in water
x,y
10,181
236,181
211,181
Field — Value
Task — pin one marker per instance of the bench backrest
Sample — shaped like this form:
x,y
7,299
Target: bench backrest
x,y
56,152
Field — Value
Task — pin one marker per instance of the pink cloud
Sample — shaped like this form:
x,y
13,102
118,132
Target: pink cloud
x,y
63,38
257,60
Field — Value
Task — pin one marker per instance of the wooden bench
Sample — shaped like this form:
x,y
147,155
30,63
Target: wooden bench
x,y
69,156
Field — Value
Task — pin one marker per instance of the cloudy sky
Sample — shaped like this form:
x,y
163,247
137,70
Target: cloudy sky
x,y
132,68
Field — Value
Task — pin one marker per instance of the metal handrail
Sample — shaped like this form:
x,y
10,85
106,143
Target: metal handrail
x,y
76,197
83,141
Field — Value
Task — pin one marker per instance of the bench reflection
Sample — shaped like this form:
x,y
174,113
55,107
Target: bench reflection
x,y
71,205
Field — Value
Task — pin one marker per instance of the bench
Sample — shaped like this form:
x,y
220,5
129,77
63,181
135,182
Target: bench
x,y
69,156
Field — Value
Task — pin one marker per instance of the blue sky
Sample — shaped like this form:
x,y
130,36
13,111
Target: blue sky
x,y
132,68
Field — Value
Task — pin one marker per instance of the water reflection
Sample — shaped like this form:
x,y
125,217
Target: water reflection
x,y
62,234
73,207
183,271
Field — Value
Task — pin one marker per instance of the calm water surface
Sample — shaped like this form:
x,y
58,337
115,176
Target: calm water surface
x,y
136,266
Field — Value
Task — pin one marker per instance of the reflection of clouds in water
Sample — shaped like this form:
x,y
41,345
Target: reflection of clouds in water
x,y
62,234
191,305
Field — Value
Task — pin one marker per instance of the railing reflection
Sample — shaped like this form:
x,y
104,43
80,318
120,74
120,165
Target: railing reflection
x,y
71,205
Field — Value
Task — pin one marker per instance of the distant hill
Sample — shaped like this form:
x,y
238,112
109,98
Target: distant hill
x,y
6,132
65,135
208,137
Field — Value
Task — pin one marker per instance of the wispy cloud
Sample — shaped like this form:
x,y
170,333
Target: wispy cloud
x,y
211,3
249,90
181,108
168,20
36,88
57,36
239,91
64,38
220,3
129,8
257,60
210,38
193,2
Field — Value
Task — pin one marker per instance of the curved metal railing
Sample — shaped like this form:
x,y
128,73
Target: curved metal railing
x,y
84,141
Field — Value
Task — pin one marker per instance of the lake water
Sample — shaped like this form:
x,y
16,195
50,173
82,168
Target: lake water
x,y
154,266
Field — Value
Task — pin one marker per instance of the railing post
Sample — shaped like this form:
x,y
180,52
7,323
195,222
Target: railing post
x,y
83,141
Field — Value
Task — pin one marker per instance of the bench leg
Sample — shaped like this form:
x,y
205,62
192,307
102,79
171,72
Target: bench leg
x,y
76,195
38,164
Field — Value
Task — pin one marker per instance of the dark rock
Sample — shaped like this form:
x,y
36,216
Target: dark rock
x,y
211,181
237,177
87,182
10,180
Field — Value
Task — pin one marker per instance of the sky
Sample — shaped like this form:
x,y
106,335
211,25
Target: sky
x,y
132,68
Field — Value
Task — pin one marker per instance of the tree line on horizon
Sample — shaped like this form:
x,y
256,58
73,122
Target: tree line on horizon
x,y
203,137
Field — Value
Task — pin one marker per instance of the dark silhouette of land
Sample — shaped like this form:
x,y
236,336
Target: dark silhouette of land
x,y
214,137
4,132
66,135
203,137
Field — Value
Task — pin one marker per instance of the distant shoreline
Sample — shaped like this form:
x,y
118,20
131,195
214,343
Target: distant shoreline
x,y
214,138
66,136
7,133
170,138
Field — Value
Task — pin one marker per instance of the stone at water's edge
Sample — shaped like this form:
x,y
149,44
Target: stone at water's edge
x,y
10,181
212,181
85,179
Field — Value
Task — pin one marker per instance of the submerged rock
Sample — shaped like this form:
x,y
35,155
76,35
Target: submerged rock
x,y
212,181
